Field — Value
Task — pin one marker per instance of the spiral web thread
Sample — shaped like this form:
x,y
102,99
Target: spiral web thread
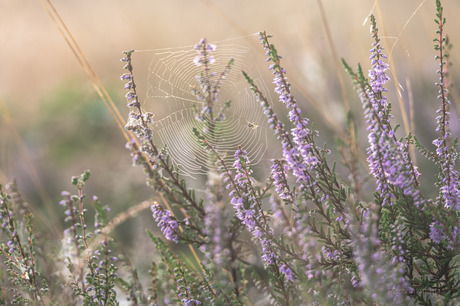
x,y
169,96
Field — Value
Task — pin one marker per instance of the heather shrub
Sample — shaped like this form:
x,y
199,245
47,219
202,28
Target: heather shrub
x,y
307,234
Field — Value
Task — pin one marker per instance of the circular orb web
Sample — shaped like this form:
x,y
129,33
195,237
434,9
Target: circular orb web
x,y
172,77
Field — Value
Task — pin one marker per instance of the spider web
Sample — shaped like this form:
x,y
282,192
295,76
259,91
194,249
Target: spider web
x,y
172,77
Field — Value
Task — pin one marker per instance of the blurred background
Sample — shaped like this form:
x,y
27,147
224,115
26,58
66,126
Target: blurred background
x,y
53,124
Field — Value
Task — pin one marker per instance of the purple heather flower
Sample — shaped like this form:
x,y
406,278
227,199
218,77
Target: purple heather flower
x,y
129,85
215,221
436,232
211,60
267,253
291,153
211,47
203,58
388,158
300,153
278,171
287,272
190,301
450,186
253,215
208,88
377,272
242,167
354,281
130,96
455,236
332,255
197,61
166,222
126,76
447,156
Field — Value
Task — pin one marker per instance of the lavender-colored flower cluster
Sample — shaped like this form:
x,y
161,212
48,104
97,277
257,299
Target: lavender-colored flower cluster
x,y
446,222
388,158
166,222
279,170
248,209
244,202
203,58
300,154
383,277
209,83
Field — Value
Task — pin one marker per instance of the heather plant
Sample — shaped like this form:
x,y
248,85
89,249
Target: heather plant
x,y
311,233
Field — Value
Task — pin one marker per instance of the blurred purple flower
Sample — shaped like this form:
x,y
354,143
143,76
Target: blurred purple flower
x,y
436,232
166,222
